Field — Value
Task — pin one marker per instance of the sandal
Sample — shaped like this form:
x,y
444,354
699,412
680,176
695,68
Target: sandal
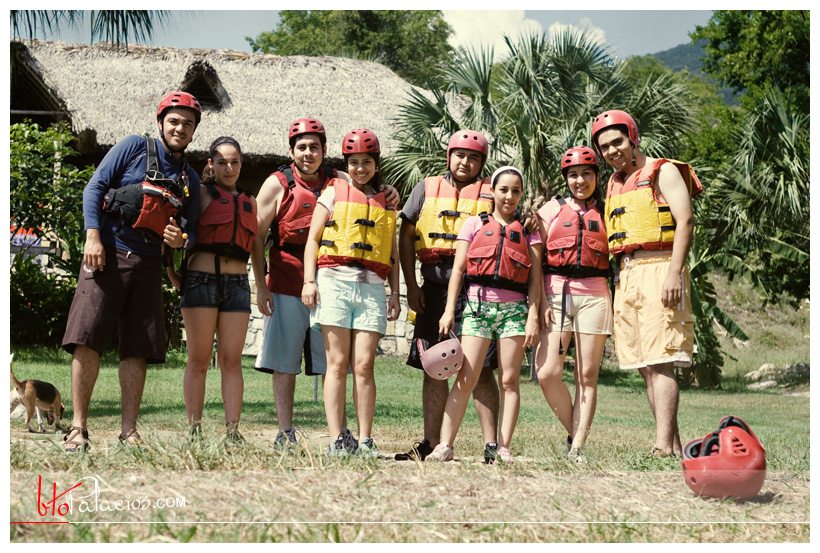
x,y
76,440
132,438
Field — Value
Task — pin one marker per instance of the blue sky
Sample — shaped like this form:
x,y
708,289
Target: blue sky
x,y
627,33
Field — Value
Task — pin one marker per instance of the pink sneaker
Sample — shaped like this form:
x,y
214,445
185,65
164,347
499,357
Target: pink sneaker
x,y
442,452
505,455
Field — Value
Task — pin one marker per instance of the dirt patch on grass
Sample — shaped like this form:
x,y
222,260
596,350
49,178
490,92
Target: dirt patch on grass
x,y
353,500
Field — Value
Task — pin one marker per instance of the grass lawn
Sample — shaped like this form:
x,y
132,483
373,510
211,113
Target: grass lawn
x,y
620,495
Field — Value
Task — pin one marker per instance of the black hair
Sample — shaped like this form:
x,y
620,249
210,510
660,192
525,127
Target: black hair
x,y
208,172
376,182
623,128
322,138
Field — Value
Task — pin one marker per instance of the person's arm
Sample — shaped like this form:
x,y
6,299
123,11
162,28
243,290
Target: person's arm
x,y
544,308
673,190
267,206
310,294
407,255
447,321
535,288
394,304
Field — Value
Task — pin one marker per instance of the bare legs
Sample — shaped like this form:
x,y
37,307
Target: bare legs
x,y
576,417
201,323
662,392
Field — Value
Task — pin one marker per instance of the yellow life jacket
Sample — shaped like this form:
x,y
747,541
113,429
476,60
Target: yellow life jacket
x,y
444,210
360,230
635,219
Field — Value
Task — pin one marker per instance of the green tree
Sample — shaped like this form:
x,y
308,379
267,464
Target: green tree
x,y
113,25
413,43
749,50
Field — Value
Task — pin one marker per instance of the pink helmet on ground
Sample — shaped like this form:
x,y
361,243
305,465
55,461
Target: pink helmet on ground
x,y
307,125
729,462
360,141
578,155
180,100
469,140
442,360
610,119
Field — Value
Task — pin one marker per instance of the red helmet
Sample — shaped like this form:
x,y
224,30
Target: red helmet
x,y
468,140
307,125
180,100
578,155
611,118
729,462
360,141
442,360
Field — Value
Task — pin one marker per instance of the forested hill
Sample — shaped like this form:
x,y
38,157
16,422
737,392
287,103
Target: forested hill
x,y
687,56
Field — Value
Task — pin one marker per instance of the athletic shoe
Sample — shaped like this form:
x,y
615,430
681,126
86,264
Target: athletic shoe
x,y
569,443
443,452
351,443
195,434
576,456
368,450
337,448
504,454
490,453
286,439
419,451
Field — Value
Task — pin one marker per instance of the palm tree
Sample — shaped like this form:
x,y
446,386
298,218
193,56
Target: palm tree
x,y
112,25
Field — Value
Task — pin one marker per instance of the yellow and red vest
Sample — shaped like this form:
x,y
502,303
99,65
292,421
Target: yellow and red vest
x,y
228,224
635,217
444,210
360,230
499,256
577,243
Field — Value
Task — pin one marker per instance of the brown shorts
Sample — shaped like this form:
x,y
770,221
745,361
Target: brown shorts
x,y
126,294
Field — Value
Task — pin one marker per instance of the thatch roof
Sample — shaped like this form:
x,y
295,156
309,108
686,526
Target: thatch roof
x,y
113,92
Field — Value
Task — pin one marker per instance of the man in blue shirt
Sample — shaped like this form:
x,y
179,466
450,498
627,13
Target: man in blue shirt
x,y
120,281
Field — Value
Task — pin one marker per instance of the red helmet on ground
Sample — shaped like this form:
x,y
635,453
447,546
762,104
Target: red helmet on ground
x,y
307,125
578,155
729,462
612,118
180,100
360,141
442,360
468,140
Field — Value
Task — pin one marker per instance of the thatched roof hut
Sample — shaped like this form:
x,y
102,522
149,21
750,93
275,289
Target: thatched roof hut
x,y
107,93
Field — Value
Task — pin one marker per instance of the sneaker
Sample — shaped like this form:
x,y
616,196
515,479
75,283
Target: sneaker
x,y
576,456
351,443
569,443
368,450
443,452
419,451
286,439
337,448
194,434
504,454
490,453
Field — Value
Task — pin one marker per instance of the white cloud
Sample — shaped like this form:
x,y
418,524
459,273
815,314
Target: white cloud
x,y
475,28
596,34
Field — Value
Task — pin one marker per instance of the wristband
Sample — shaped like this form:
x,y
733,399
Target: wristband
x,y
395,294
309,282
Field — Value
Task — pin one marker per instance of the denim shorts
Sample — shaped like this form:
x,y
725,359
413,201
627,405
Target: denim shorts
x,y
203,290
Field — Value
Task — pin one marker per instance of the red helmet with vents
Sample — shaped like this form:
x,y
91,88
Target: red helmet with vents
x,y
180,100
469,140
579,155
612,118
729,462
307,125
360,141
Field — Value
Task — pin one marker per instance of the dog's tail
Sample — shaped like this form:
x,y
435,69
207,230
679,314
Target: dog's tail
x,y
17,384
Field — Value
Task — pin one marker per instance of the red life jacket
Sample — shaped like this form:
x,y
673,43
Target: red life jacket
x,y
498,256
147,206
228,225
577,243
289,230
